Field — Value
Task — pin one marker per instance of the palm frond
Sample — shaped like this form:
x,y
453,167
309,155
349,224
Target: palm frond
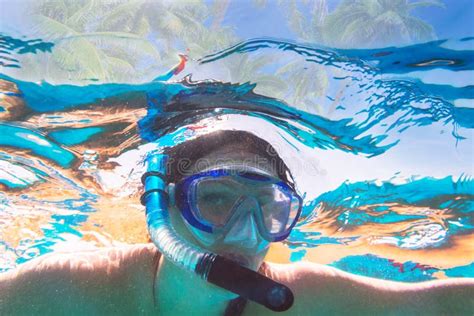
x,y
419,30
421,4
121,16
51,29
79,59
134,43
119,70
83,15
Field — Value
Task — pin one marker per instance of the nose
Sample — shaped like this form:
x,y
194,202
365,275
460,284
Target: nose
x,y
244,232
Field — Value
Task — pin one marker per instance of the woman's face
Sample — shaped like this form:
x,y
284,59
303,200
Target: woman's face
x,y
242,242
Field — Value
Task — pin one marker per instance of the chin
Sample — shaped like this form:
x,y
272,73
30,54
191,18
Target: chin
x,y
252,262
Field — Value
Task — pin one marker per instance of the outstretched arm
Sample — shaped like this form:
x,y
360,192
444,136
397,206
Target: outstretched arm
x,y
329,291
102,281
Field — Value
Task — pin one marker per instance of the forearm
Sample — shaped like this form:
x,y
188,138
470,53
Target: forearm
x,y
351,293
441,297
362,295
328,291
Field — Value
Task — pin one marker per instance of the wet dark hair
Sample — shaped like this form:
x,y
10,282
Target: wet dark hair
x,y
184,156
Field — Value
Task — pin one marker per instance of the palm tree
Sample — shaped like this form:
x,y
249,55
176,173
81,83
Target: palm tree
x,y
123,40
298,82
83,51
251,68
306,18
369,23
354,23
110,41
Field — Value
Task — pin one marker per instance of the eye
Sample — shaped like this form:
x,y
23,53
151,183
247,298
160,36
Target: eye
x,y
215,208
266,198
216,202
214,199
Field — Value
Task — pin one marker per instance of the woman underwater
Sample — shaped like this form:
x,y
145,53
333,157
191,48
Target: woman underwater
x,y
228,194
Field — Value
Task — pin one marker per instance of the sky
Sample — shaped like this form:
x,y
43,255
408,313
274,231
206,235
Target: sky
x,y
454,21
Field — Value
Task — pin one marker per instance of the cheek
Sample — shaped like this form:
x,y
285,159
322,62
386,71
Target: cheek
x,y
189,233
179,225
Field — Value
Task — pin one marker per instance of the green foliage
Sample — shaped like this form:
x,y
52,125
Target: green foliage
x,y
122,40
305,18
353,24
370,23
136,40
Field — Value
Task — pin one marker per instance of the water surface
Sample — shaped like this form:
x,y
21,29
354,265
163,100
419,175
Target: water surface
x,y
379,142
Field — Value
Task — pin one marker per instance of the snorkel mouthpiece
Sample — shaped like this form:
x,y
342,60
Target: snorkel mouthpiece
x,y
250,284
211,267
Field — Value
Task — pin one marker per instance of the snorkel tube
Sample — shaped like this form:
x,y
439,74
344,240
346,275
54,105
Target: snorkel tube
x,y
209,266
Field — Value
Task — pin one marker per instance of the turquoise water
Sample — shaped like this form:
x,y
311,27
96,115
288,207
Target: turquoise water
x,y
379,142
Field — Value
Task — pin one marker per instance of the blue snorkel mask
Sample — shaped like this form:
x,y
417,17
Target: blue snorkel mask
x,y
212,201
276,211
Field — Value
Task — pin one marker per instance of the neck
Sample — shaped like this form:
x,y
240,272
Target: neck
x,y
181,292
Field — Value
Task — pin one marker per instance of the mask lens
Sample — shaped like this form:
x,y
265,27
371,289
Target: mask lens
x,y
294,210
279,209
215,199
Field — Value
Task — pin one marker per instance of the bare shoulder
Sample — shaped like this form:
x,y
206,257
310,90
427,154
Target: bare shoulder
x,y
56,280
104,261
326,290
